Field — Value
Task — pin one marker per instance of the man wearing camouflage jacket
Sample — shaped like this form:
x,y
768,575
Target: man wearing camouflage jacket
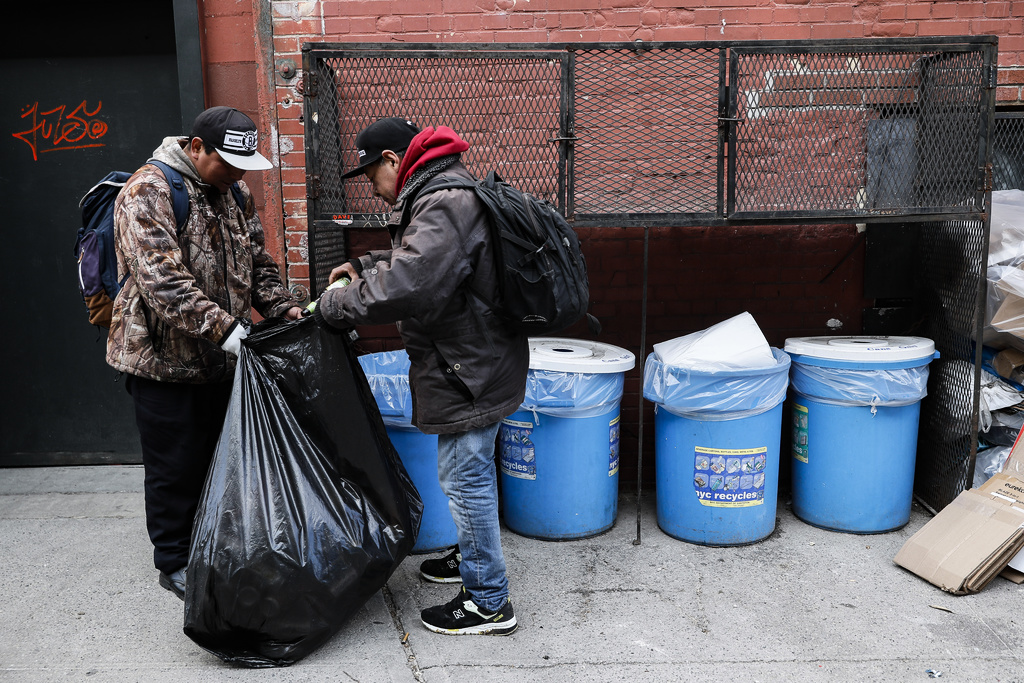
x,y
182,312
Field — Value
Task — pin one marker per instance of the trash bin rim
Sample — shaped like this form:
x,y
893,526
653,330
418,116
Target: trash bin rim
x,y
580,356
864,349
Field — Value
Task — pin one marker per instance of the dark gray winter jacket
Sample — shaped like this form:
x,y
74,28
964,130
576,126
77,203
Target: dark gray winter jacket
x,y
467,369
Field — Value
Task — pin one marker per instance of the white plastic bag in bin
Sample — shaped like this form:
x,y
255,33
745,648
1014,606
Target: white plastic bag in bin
x,y
734,343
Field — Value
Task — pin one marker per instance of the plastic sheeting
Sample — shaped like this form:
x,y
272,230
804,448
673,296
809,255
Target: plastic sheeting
x,y
1004,310
989,462
723,394
572,394
861,387
388,375
307,509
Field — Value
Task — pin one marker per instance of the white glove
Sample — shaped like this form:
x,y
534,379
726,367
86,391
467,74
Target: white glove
x,y
233,344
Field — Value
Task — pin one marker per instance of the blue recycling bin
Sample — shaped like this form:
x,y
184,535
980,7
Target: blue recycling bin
x,y
388,376
718,433
559,453
855,413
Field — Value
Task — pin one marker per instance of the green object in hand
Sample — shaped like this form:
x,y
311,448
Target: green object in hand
x,y
340,282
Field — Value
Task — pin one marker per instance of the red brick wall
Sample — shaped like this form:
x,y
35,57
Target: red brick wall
x,y
794,280
234,75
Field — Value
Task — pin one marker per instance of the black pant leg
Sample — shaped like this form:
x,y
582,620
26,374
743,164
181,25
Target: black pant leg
x,y
179,425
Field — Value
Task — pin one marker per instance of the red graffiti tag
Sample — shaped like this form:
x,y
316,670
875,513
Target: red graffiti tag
x,y
55,129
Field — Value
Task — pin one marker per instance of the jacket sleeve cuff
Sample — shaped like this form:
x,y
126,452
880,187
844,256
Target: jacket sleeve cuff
x,y
357,265
227,332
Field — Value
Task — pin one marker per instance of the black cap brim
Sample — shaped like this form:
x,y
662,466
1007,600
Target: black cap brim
x,y
361,168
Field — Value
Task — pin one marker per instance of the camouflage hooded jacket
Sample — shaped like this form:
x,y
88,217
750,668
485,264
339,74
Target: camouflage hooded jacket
x,y
186,288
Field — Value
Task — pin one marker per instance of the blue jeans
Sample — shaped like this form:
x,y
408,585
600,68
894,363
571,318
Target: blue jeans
x,y
465,468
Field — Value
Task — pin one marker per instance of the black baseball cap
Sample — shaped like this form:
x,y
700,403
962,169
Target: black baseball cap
x,y
394,133
233,135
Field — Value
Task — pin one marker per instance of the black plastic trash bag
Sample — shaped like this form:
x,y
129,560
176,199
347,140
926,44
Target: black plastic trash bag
x,y
307,509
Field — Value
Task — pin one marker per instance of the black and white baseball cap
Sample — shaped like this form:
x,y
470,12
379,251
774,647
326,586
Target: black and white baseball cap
x,y
233,135
394,133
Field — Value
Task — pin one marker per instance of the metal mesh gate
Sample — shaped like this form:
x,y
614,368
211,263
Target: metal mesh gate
x,y
704,134
646,132
861,131
951,285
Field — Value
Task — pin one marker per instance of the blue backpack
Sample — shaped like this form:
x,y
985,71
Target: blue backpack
x,y
95,250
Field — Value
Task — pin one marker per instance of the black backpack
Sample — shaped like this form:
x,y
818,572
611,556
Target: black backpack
x,y
542,275
95,250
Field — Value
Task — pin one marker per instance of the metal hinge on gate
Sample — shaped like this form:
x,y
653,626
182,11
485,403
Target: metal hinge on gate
x,y
310,84
313,187
986,178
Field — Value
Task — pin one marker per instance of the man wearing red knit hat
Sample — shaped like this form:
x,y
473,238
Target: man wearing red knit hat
x,y
468,370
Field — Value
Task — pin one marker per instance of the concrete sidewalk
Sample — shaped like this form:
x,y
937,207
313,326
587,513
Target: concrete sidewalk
x,y
82,604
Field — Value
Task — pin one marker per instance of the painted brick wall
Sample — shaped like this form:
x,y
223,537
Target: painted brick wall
x,y
795,280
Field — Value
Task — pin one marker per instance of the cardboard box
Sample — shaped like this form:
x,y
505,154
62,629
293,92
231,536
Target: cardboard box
x,y
1009,364
973,538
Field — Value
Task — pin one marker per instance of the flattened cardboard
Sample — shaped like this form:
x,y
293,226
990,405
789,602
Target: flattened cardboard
x,y
971,540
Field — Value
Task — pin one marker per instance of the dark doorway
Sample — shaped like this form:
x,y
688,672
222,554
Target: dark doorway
x,y
84,92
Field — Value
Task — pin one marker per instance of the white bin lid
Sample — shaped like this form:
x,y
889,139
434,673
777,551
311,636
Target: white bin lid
x,y
578,355
862,349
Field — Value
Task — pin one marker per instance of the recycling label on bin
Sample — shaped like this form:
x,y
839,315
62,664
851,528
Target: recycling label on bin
x,y
518,458
613,446
800,432
729,478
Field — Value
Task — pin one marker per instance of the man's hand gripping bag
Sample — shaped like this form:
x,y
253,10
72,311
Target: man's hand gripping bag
x,y
307,509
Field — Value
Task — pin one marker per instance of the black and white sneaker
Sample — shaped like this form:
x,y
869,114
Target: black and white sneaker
x,y
444,569
461,617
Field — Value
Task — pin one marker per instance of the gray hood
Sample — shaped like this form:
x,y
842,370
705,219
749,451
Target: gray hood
x,y
172,153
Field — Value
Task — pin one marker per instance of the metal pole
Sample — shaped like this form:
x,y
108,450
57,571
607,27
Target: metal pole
x,y
640,397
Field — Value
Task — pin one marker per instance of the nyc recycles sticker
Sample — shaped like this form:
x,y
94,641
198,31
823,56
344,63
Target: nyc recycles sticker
x,y
729,478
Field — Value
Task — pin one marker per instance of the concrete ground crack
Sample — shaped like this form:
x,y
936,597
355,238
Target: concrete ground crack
x,y
403,635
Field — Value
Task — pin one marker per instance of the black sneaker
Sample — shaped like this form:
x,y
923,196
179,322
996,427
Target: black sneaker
x,y
444,569
461,617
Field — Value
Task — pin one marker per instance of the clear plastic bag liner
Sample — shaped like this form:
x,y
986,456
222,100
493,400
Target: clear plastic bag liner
x,y
307,509
861,387
725,394
388,376
572,394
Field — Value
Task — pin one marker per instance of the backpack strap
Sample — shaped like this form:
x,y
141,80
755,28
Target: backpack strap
x,y
239,196
453,183
179,193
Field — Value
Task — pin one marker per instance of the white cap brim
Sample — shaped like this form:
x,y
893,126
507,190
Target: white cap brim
x,y
246,162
